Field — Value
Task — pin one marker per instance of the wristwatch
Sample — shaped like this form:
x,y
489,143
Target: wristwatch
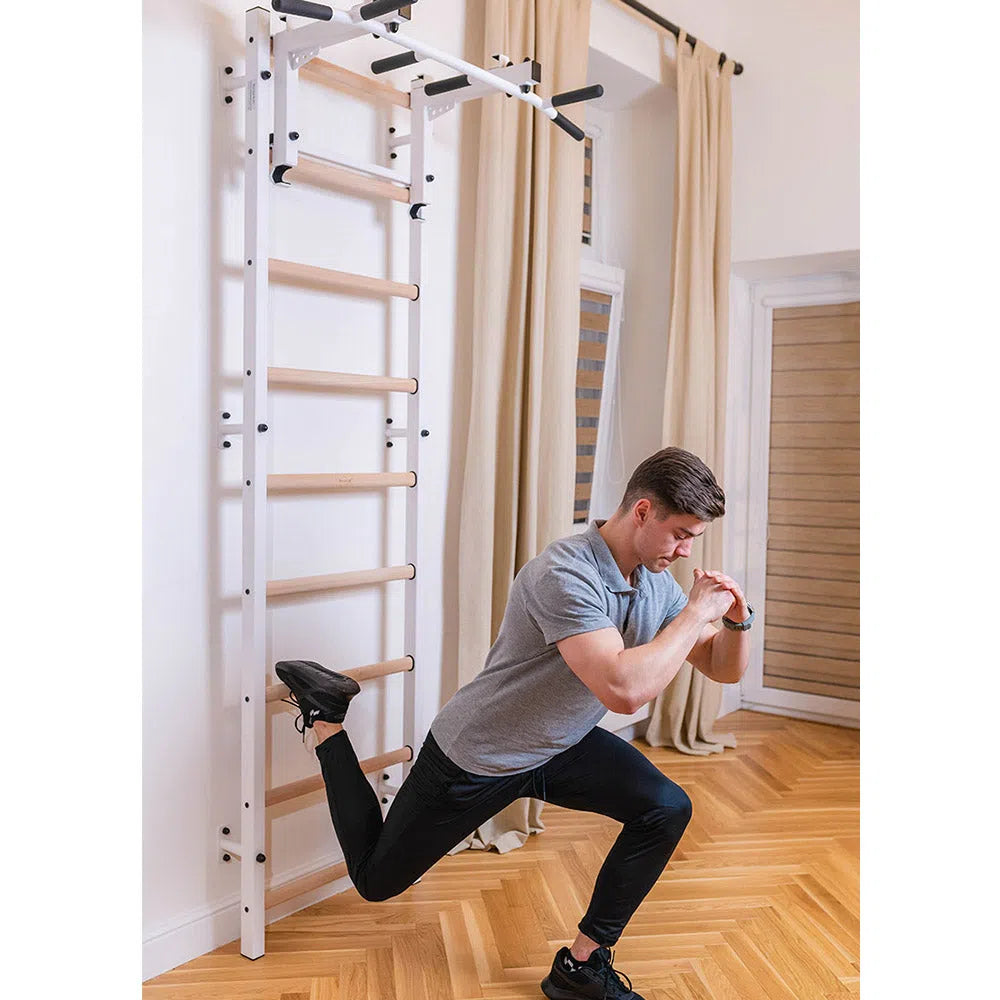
x,y
739,626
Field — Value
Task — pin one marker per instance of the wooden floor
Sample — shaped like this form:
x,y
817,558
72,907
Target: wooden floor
x,y
759,900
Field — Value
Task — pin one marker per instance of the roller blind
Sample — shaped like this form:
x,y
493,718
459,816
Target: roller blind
x,y
811,633
595,315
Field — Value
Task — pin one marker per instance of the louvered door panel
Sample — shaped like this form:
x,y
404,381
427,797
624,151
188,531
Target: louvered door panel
x,y
812,618
595,315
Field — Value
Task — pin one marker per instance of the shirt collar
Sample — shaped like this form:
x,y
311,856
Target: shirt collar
x,y
610,573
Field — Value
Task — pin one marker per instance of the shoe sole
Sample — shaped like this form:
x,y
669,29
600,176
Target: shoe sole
x,y
313,675
312,678
554,992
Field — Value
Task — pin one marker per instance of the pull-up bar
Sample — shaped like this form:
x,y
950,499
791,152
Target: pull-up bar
x,y
364,16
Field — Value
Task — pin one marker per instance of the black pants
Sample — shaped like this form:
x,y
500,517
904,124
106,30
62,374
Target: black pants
x,y
440,804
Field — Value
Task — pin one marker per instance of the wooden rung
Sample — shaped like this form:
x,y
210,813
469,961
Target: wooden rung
x,y
326,176
275,692
330,75
303,884
296,483
296,789
304,379
307,276
334,581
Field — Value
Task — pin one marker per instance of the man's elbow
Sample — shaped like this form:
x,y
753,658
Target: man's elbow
x,y
619,698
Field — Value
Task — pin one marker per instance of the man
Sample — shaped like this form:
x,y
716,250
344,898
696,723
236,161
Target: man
x,y
592,624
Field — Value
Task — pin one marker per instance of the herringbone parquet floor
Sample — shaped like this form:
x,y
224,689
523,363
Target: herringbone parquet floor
x,y
760,900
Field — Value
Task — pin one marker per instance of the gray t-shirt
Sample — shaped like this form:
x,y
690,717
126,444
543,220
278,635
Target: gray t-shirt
x,y
526,705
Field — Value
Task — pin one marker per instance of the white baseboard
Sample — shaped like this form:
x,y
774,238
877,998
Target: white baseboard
x,y
209,927
801,713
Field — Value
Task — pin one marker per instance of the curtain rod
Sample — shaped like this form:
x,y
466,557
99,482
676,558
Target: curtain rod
x,y
673,29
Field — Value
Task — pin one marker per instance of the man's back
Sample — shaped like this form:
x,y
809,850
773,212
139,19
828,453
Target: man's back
x,y
526,705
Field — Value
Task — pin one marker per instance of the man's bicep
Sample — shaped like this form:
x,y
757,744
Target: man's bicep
x,y
593,656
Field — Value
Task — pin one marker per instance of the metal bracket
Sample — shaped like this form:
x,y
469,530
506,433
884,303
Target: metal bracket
x,y
229,82
227,430
384,789
300,58
229,849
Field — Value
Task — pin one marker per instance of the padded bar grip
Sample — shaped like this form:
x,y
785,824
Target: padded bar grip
x,y
394,62
303,8
572,96
567,126
379,7
443,86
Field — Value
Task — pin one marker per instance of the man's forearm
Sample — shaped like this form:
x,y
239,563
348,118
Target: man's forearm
x,y
730,655
647,669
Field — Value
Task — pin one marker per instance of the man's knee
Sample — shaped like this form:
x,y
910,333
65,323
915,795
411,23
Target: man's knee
x,y
668,809
377,890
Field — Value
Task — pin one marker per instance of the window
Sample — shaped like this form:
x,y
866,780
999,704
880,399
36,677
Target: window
x,y
595,317
588,189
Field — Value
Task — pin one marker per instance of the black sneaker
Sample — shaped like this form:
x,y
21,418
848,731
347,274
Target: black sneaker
x,y
317,693
594,979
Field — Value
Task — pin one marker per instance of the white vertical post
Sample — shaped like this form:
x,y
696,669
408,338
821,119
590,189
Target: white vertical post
x,y
253,730
286,102
413,639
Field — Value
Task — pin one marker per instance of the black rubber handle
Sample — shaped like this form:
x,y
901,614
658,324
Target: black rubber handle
x,y
443,86
303,8
394,62
567,126
379,7
572,96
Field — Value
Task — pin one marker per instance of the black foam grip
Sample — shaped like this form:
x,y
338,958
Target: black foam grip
x,y
443,86
303,8
394,62
572,96
379,7
567,126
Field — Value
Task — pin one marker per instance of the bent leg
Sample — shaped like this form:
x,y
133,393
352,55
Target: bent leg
x,y
437,806
604,774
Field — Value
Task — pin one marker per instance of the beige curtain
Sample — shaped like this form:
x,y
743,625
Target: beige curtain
x,y
520,458
683,715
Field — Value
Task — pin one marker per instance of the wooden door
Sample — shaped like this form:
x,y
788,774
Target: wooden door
x,y
811,626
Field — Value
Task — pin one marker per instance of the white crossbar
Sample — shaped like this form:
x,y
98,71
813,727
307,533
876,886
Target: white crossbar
x,y
321,34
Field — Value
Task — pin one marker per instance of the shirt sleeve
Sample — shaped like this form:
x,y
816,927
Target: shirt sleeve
x,y
563,601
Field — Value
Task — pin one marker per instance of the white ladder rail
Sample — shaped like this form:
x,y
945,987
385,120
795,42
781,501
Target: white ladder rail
x,y
253,668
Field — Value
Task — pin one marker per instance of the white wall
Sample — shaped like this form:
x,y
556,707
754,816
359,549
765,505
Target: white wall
x,y
795,112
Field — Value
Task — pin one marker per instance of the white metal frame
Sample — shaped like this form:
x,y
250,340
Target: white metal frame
x,y
754,298
271,107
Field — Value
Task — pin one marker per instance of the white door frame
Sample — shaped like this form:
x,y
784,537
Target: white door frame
x,y
756,290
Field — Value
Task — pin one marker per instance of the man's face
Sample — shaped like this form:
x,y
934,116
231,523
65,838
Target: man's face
x,y
659,543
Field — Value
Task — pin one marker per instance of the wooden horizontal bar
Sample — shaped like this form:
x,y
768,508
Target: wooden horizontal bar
x,y
327,279
329,75
296,789
304,379
306,483
303,884
325,176
335,581
275,692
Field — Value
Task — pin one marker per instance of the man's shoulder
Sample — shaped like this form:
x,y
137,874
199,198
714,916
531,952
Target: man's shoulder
x,y
570,556
570,550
